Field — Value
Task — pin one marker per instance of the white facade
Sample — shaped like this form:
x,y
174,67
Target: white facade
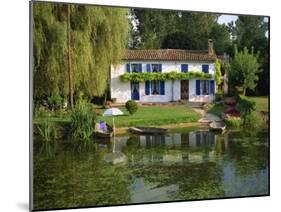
x,y
122,90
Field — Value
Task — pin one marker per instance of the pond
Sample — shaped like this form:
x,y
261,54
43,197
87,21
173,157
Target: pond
x,y
181,165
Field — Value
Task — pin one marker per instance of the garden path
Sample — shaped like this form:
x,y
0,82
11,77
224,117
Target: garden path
x,y
206,117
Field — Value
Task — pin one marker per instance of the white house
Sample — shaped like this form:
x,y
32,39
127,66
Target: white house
x,y
165,61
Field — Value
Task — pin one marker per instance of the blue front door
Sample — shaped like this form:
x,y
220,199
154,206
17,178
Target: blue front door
x,y
135,94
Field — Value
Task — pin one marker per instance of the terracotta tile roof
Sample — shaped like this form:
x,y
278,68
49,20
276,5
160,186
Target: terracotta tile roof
x,y
169,55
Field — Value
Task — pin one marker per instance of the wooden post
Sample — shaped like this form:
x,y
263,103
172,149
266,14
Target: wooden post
x,y
69,57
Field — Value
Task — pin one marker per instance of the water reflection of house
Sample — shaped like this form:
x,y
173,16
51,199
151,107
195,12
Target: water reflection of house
x,y
190,140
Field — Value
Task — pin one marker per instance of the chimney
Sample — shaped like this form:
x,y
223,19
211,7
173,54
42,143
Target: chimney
x,y
210,47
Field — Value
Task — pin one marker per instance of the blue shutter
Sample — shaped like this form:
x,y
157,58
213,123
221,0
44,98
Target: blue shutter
x,y
139,68
148,67
162,87
160,67
205,68
184,68
147,87
212,86
128,68
197,87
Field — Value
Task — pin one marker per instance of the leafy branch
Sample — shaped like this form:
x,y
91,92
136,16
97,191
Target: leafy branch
x,y
146,76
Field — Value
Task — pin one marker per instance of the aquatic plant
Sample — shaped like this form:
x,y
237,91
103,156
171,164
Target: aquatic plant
x,y
47,130
82,120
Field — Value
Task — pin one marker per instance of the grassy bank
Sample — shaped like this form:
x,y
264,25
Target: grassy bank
x,y
155,115
145,116
261,102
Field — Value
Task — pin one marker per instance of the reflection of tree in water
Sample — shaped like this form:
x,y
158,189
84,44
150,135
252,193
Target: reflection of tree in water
x,y
162,165
77,175
195,181
248,153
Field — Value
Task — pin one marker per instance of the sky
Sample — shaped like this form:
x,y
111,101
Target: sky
x,y
224,19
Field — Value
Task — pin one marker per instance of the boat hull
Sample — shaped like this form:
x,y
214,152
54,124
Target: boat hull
x,y
147,130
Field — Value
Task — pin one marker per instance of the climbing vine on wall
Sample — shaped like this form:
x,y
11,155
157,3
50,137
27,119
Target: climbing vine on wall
x,y
146,76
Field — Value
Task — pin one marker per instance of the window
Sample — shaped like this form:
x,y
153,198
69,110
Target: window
x,y
205,68
204,87
155,87
184,68
136,68
156,67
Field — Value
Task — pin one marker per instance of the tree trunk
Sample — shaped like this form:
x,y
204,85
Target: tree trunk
x,y
244,91
69,59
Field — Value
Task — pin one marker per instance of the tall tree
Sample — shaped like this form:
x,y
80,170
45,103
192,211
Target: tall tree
x,y
244,70
221,38
98,38
153,26
251,32
179,30
69,58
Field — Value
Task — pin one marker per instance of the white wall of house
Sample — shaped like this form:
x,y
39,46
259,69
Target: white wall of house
x,y
122,90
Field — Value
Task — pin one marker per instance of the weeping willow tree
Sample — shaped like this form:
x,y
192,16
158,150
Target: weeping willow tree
x,y
98,38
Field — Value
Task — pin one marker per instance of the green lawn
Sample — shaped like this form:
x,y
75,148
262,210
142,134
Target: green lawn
x,y
261,102
154,115
216,109
145,116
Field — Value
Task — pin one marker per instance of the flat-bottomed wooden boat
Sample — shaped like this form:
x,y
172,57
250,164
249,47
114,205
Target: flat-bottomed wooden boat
x,y
217,126
147,130
103,133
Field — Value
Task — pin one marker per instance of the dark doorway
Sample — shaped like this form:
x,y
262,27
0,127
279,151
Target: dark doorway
x,y
135,95
184,89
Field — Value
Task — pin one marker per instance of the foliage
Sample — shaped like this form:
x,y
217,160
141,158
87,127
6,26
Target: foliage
x,y
218,97
82,120
55,102
99,36
244,70
234,122
152,26
245,106
220,35
250,120
145,76
167,29
47,130
250,31
177,40
131,106
261,102
218,72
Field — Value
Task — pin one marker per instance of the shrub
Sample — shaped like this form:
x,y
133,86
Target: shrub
x,y
245,106
131,106
55,102
218,97
233,122
47,130
82,120
250,120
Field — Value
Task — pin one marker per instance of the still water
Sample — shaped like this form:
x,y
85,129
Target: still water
x,y
183,165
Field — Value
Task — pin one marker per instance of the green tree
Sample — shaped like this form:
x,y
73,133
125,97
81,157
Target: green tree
x,y
250,31
221,38
244,70
98,38
153,26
